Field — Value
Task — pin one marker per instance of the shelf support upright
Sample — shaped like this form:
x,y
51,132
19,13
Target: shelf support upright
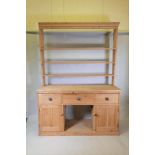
x,y
115,34
41,37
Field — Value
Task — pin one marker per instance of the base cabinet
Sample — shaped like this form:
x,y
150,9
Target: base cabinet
x,y
105,119
99,114
51,118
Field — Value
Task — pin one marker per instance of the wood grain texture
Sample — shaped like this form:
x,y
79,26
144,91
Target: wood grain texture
x,y
78,99
79,89
77,75
107,98
78,25
77,62
51,118
106,118
49,99
77,47
114,54
41,37
82,133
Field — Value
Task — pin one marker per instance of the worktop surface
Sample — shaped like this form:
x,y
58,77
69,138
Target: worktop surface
x,y
78,89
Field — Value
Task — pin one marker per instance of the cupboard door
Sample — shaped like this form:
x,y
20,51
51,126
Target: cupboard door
x,y
51,118
106,118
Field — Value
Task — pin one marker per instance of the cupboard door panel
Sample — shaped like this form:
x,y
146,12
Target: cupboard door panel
x,y
51,118
106,118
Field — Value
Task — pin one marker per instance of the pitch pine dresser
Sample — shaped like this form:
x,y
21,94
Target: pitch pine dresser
x,y
103,99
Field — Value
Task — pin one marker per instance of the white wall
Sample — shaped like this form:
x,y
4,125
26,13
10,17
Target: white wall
x,y
33,63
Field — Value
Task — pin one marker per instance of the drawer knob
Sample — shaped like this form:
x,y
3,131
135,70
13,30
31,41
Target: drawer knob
x,y
95,115
107,99
78,98
50,99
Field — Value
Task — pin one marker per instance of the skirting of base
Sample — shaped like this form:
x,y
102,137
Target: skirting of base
x,y
43,133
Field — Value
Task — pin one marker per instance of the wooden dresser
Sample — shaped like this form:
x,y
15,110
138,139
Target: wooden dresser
x,y
102,99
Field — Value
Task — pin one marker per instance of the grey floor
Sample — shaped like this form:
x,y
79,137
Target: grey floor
x,y
78,145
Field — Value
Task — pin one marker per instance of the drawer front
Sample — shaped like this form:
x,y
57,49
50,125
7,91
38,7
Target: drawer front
x,y
107,98
49,99
78,99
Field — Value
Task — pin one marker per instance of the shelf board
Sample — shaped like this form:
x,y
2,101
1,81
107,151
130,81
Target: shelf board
x,y
78,47
77,62
78,75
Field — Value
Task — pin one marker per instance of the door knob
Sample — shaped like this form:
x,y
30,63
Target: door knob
x,y
78,98
107,99
50,99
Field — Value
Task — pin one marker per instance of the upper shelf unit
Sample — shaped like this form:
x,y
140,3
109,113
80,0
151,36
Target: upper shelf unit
x,y
77,25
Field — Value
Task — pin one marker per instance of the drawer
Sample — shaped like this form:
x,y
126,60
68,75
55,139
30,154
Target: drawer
x,y
78,99
49,98
107,98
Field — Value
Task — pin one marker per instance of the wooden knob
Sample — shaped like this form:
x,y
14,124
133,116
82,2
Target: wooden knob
x,y
78,98
107,99
95,115
50,99
62,114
